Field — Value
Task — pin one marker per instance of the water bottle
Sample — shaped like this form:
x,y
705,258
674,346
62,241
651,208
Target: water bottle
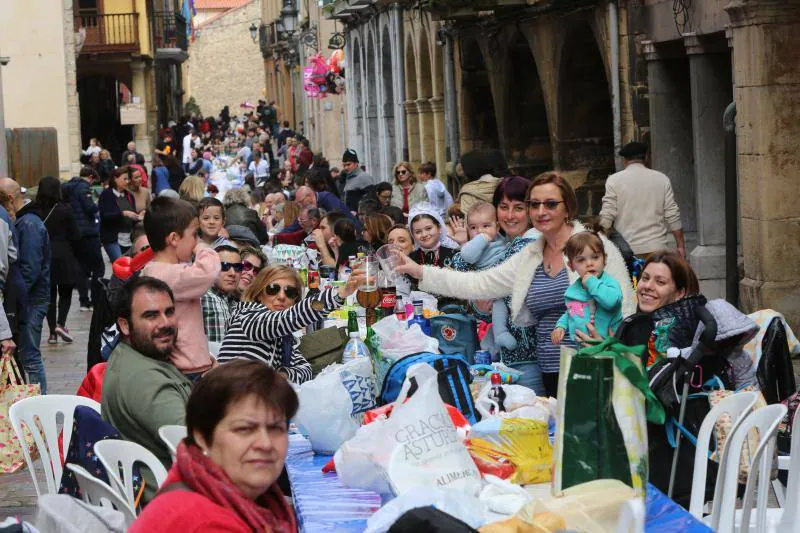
x,y
355,347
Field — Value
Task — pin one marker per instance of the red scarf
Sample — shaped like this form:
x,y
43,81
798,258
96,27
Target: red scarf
x,y
269,513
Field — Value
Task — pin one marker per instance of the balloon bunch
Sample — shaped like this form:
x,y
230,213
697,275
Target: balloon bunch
x,y
322,77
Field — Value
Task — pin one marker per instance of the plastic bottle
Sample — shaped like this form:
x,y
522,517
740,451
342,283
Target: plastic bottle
x,y
355,347
400,309
419,318
497,394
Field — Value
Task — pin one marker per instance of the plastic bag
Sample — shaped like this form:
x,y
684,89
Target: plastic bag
x,y
395,341
520,402
591,507
417,448
524,443
503,497
466,508
333,403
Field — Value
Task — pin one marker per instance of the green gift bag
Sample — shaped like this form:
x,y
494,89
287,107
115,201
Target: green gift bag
x,y
603,408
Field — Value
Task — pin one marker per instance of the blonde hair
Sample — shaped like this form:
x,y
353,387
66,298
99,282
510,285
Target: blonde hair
x,y
412,177
481,207
267,276
291,210
192,189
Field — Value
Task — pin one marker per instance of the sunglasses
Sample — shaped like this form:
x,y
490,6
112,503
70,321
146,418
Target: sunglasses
x,y
237,267
291,292
247,266
402,172
550,205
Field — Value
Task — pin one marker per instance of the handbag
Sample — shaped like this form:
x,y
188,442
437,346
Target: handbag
x,y
323,347
13,389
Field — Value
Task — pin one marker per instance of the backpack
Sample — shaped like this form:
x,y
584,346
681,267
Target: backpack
x,y
457,333
454,379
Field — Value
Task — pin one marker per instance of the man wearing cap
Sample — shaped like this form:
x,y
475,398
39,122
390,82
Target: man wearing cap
x,y
356,181
639,203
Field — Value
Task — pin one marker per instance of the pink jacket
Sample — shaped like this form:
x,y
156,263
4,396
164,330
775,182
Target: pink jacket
x,y
188,283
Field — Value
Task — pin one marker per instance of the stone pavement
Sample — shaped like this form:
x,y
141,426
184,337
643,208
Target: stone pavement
x,y
65,366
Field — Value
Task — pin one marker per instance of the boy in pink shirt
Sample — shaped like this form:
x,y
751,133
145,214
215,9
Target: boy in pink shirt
x,y
171,226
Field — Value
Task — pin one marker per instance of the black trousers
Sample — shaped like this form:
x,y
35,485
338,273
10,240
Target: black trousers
x,y
92,268
550,380
57,312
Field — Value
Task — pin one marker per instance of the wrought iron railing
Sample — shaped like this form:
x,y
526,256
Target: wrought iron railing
x,y
169,30
118,32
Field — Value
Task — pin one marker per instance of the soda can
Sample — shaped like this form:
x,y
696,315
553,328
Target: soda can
x,y
313,279
483,357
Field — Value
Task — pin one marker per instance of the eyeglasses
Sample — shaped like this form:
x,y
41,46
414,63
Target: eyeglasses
x,y
401,172
237,267
291,292
550,205
247,266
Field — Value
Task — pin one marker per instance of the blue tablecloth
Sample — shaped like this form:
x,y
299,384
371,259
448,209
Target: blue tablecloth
x,y
323,505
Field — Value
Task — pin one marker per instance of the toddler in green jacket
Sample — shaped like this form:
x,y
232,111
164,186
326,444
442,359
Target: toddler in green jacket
x,y
596,297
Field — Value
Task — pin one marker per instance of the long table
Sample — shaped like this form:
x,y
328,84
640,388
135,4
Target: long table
x,y
324,505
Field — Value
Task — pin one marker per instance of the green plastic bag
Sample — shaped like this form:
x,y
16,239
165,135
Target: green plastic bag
x,y
604,404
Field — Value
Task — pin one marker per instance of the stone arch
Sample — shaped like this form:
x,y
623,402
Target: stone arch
x,y
527,129
410,105
387,80
585,117
479,121
585,121
372,121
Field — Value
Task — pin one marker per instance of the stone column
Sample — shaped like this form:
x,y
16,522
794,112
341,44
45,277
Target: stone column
x,y
139,89
439,133
766,45
671,131
427,137
712,91
412,127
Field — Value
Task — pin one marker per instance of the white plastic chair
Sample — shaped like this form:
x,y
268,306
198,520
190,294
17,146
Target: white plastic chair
x,y
118,457
737,406
723,516
97,492
631,517
172,436
45,410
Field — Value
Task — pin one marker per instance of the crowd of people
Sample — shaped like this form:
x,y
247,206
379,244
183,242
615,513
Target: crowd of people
x,y
207,325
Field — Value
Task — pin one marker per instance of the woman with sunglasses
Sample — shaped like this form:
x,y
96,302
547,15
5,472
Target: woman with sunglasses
x,y
537,277
252,263
261,325
406,191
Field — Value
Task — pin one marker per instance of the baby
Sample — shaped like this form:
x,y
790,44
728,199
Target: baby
x,y
485,249
595,298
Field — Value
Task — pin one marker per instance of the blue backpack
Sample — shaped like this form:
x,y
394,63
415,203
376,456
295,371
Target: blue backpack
x,y
454,379
457,333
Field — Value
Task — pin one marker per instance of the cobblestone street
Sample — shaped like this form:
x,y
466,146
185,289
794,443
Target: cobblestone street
x,y
66,366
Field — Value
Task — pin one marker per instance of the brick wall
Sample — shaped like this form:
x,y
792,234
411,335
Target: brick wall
x,y
225,66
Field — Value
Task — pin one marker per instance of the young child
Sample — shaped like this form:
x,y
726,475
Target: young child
x,y
212,222
433,245
171,226
486,248
437,193
595,298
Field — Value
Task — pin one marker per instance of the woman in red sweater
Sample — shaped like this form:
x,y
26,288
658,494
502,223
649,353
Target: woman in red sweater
x,y
225,476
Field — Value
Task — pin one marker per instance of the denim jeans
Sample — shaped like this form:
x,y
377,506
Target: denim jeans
x,y
113,251
531,376
30,336
92,268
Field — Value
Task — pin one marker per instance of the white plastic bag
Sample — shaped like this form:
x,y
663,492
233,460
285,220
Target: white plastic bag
x,y
466,508
332,404
416,448
503,497
520,402
398,340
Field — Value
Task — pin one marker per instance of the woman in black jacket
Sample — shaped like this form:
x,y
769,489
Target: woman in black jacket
x,y
117,215
63,231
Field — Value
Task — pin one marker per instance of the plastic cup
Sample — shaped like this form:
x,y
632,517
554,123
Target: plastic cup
x,y
387,258
370,265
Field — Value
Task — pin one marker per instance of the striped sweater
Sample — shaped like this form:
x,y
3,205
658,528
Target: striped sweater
x,y
256,333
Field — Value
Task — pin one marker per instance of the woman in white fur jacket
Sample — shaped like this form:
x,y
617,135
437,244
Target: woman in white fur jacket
x,y
537,277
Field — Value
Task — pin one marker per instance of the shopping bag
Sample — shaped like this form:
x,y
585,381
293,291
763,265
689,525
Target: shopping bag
x,y
13,389
416,448
603,409
333,404
521,442
395,340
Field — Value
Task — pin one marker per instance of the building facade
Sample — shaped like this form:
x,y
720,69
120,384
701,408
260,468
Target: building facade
x,y
225,66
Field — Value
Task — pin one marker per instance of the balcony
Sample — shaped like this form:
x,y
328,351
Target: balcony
x,y
169,36
106,34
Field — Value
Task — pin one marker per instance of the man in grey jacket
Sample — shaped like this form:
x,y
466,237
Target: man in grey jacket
x,y
357,182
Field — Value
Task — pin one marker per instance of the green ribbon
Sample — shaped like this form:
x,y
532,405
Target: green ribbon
x,y
611,347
